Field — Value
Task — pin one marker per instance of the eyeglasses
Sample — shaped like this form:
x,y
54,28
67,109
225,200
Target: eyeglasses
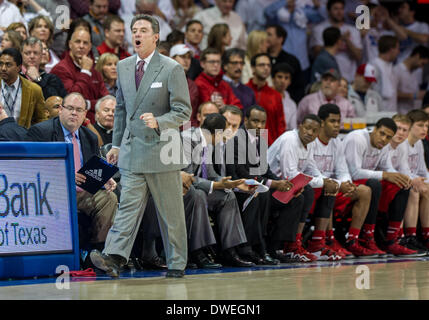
x,y
71,109
213,61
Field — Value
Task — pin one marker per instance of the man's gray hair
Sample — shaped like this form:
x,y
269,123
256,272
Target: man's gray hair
x,y
101,100
31,41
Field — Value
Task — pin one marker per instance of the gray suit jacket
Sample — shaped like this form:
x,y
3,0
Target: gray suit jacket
x,y
164,92
192,143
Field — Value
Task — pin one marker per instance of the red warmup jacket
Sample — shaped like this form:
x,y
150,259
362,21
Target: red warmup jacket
x,y
271,101
103,48
92,88
207,85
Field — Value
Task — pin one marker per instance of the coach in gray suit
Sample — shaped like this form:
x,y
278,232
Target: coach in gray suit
x,y
152,98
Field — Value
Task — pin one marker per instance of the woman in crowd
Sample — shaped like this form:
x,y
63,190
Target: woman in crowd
x,y
20,28
11,39
106,65
343,89
42,28
219,37
256,43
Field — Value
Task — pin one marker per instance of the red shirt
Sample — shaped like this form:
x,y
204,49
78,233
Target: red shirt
x,y
207,85
271,101
103,48
92,88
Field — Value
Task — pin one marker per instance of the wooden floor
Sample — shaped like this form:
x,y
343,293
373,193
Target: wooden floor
x,y
388,279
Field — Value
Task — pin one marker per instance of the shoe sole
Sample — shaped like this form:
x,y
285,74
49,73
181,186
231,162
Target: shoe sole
x,y
413,255
372,256
99,262
325,258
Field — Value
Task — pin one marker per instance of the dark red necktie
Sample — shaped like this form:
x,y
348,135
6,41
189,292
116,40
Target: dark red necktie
x,y
139,73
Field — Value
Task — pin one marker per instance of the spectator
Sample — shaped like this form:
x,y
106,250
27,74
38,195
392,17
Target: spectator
x,y
61,24
267,97
210,85
325,60
104,116
30,9
98,10
183,54
164,48
9,129
425,141
365,100
176,37
223,13
219,37
276,37
184,10
232,64
9,13
43,29
11,39
114,32
328,93
77,71
22,99
415,32
31,57
193,37
386,84
282,78
204,110
294,18
351,52
79,8
67,127
252,14
52,106
20,28
407,73
343,89
256,43
106,65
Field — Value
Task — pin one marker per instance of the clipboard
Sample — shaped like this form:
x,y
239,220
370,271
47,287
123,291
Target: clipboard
x,y
97,172
299,182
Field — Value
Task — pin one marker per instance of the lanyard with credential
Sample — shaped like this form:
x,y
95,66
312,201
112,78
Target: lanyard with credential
x,y
14,99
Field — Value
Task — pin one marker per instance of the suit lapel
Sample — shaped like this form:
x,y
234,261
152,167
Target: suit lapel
x,y
129,88
150,75
85,145
25,103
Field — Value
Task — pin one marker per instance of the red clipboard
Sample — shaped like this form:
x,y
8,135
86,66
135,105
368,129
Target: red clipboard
x,y
299,182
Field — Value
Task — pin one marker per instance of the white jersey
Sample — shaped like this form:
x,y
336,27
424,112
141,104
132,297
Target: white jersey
x,y
399,158
288,157
330,160
363,160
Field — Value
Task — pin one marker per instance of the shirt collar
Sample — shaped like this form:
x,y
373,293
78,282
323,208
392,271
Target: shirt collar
x,y
203,139
14,85
146,60
107,130
235,84
67,133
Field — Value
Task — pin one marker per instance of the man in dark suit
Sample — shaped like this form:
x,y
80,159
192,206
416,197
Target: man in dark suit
x,y
9,129
221,201
67,127
152,102
250,162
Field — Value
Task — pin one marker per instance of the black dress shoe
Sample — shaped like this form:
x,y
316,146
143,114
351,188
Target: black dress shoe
x,y
252,257
236,261
111,264
171,273
191,265
270,261
206,263
155,263
138,264
280,257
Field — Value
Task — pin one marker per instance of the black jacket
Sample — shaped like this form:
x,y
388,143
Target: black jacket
x,y
11,131
50,130
51,85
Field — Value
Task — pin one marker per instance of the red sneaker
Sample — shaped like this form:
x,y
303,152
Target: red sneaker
x,y
337,247
372,246
400,251
296,252
322,252
360,252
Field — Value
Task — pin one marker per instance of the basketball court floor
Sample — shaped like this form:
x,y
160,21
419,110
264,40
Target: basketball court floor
x,y
358,279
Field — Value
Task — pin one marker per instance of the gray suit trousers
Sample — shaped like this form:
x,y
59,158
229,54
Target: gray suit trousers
x,y
225,212
166,190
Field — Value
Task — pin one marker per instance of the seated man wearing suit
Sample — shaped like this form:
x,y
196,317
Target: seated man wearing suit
x,y
67,127
221,202
9,129
22,99
284,218
104,114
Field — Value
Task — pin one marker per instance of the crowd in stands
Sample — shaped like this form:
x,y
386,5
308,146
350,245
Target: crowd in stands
x,y
301,69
